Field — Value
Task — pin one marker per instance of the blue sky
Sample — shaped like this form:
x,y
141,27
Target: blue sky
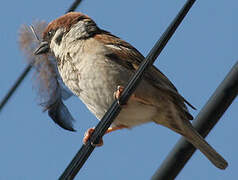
x,y
196,60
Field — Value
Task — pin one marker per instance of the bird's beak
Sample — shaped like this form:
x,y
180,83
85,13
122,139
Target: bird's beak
x,y
43,48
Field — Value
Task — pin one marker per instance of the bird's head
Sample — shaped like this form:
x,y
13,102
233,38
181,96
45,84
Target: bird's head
x,y
73,26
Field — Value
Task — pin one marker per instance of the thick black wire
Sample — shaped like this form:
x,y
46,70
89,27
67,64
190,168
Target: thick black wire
x,y
28,67
85,151
204,122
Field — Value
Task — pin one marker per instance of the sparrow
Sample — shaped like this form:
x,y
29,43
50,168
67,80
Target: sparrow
x,y
96,65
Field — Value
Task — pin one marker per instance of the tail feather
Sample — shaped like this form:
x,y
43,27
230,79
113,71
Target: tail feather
x,y
199,142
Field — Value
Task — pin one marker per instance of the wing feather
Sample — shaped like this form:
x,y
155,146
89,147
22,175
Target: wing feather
x,y
129,57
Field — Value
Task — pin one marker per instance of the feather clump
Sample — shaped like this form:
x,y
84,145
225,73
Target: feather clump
x,y
47,81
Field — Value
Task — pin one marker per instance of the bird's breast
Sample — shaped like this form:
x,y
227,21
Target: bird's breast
x,y
94,78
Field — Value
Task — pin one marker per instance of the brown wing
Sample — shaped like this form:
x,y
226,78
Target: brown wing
x,y
129,57
132,57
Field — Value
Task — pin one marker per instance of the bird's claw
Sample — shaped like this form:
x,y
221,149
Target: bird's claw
x,y
87,136
117,94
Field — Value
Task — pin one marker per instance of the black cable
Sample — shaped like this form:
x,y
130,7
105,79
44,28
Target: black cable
x,y
204,122
74,6
85,151
28,67
14,87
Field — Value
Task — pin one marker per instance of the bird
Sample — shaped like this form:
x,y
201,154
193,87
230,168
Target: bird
x,y
96,66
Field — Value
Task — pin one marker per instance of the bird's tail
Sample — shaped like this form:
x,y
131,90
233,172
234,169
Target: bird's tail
x,y
200,143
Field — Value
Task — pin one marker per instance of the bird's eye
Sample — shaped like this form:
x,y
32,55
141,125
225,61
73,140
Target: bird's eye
x,y
50,34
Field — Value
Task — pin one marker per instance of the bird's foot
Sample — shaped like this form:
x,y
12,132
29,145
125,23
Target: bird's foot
x,y
117,95
89,132
87,136
118,92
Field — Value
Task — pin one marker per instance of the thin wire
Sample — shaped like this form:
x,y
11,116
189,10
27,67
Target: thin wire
x,y
34,32
74,6
85,151
14,87
204,122
27,69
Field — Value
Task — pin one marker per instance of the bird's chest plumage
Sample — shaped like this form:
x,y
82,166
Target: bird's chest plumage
x,y
94,79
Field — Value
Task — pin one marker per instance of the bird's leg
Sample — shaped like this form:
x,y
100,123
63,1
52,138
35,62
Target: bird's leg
x,y
111,129
89,132
119,91
117,95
